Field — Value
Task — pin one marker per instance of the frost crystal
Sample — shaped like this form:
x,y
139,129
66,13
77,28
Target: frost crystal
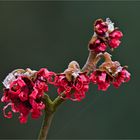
x,y
119,69
9,78
16,73
110,25
75,74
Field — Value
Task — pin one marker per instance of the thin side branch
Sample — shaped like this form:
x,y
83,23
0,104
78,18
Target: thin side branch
x,y
58,100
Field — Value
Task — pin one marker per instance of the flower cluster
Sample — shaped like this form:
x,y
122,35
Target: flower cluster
x,y
74,89
105,35
24,91
72,83
110,72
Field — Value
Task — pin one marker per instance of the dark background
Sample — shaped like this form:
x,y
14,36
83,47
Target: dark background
x,y
51,34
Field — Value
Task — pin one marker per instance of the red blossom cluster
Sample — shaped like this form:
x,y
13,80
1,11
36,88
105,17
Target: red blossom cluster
x,y
74,89
72,83
105,35
109,73
24,90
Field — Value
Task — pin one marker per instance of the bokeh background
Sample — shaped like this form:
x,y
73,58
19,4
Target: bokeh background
x,y
51,34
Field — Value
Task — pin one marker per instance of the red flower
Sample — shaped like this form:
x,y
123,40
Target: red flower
x,y
44,75
100,27
102,79
114,43
97,45
123,76
21,99
73,90
114,38
105,34
24,94
116,34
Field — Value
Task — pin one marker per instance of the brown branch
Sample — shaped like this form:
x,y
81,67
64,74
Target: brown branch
x,y
50,108
91,62
45,125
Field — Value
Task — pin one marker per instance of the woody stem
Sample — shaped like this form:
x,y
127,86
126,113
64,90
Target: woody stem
x,y
91,62
50,109
45,126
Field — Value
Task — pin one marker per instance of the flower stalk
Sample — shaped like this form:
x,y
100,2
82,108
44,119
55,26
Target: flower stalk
x,y
46,125
49,111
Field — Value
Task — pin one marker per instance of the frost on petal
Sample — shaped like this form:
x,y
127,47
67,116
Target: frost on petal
x,y
8,80
75,74
119,69
110,25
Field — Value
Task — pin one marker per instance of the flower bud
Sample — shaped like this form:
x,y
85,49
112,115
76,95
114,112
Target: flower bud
x,y
100,27
114,43
116,34
97,45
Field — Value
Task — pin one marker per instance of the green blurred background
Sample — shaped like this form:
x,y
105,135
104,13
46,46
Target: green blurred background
x,y
51,34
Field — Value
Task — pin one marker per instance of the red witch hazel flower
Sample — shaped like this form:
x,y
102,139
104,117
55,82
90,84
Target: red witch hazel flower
x,y
105,35
110,72
72,83
100,27
24,91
